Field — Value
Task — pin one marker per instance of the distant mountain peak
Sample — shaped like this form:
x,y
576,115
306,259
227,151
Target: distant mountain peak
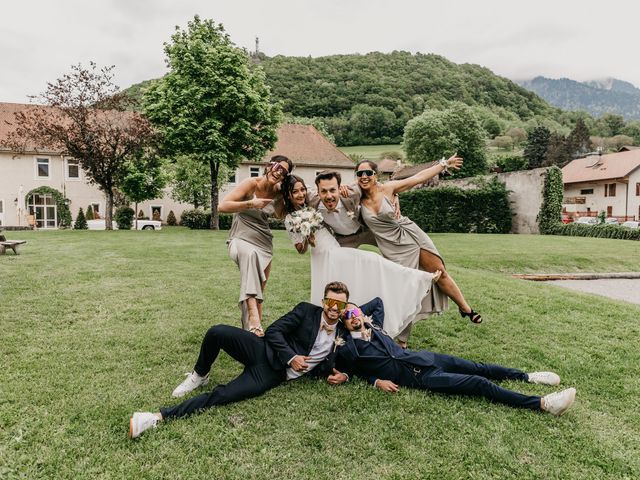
x,y
597,96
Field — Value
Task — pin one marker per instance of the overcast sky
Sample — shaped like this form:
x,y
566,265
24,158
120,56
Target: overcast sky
x,y
581,40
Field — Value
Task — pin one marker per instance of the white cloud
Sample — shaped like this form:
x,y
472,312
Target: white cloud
x,y
590,39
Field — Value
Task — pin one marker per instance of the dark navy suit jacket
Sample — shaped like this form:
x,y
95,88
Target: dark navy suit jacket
x,y
380,357
294,334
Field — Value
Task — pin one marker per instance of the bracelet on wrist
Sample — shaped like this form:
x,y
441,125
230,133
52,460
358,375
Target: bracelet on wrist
x,y
444,164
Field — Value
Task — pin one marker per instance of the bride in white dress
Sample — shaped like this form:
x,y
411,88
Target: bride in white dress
x,y
367,274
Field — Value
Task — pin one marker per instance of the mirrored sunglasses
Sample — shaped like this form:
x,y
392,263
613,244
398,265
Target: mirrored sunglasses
x,y
365,173
332,302
278,167
352,312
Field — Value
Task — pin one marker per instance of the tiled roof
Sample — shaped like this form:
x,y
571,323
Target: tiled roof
x,y
7,118
409,170
7,121
605,167
304,145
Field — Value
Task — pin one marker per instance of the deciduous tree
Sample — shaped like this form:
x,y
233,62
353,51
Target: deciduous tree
x,y
213,105
82,115
438,133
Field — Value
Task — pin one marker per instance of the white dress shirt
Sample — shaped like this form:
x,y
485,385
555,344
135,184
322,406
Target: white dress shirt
x,y
321,348
339,219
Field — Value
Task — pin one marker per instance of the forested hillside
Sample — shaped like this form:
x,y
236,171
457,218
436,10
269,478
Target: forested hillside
x,y
368,99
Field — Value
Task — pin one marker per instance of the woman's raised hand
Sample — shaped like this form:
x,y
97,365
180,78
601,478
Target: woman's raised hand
x,y
455,162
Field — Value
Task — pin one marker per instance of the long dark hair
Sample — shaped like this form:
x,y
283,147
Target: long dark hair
x,y
288,184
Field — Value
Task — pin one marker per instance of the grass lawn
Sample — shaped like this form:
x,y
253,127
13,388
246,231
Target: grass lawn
x,y
97,325
372,152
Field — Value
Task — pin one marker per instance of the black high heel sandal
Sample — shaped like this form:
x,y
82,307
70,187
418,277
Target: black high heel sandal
x,y
475,317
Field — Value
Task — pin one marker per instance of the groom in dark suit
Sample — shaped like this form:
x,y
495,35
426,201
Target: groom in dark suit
x,y
300,342
370,353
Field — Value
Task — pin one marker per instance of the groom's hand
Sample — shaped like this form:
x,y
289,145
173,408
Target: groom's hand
x,y
337,378
299,363
387,386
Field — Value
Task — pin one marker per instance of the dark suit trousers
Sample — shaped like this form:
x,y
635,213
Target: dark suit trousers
x,y
459,376
245,347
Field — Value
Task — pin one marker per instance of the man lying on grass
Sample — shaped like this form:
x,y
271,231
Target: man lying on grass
x,y
300,342
370,353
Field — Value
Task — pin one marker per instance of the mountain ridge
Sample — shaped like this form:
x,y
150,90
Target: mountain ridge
x,y
597,97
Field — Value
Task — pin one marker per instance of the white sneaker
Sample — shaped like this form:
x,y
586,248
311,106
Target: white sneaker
x,y
140,422
190,383
544,378
559,402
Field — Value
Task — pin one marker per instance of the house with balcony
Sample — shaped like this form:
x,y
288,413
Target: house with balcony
x,y
603,183
24,203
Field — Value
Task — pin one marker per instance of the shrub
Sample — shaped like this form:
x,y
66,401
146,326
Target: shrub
x,y
485,209
90,215
602,230
201,219
124,217
551,209
81,221
225,220
511,163
195,219
171,219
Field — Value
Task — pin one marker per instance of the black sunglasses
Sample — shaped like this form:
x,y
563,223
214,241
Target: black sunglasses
x,y
365,173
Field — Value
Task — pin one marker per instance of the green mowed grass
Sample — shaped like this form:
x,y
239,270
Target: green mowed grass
x,y
372,152
97,325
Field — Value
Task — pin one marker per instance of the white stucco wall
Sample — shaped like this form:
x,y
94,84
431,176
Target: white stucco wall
x,y
18,177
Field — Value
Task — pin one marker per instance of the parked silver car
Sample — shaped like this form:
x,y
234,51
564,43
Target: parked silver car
x,y
631,224
587,220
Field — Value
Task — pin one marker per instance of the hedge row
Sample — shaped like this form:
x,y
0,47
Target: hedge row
x,y
200,220
602,230
485,209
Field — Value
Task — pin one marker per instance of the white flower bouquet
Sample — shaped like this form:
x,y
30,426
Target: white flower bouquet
x,y
305,221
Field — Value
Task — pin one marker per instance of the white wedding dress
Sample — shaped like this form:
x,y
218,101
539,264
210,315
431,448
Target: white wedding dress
x,y
404,291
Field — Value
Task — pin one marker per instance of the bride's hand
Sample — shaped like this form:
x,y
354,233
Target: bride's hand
x,y
345,191
312,240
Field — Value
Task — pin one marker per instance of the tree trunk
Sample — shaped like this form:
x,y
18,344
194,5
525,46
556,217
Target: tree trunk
x,y
108,211
213,168
135,215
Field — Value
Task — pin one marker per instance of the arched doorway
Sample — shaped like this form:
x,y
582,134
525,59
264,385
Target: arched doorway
x,y
44,209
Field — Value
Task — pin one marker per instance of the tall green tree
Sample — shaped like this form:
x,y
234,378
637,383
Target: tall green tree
x,y
441,133
143,179
578,142
557,151
213,105
611,124
190,181
535,150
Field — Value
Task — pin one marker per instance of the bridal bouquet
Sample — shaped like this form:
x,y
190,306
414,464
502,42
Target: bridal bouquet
x,y
304,221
